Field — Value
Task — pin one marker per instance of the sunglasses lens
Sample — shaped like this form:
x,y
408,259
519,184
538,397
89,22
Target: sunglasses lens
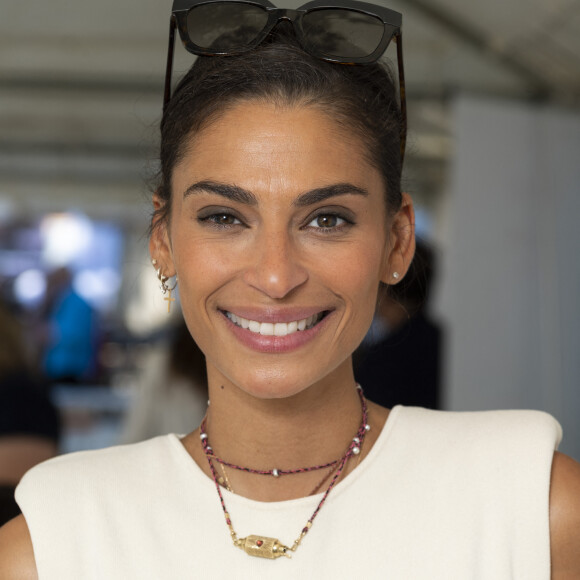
x,y
342,33
225,26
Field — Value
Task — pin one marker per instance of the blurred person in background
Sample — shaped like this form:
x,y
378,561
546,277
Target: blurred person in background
x,y
399,362
70,348
172,392
29,423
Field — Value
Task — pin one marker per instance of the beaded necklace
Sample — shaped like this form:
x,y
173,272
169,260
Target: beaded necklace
x,y
272,548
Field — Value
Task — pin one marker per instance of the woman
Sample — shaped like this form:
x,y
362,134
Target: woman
x,y
280,212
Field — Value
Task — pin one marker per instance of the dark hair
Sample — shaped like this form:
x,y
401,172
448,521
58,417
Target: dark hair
x,y
362,98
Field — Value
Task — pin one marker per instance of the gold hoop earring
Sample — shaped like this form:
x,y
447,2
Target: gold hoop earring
x,y
165,289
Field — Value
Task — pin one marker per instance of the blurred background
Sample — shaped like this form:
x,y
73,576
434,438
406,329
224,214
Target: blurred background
x,y
493,165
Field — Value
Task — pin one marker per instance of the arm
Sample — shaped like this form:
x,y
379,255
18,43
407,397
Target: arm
x,y
565,518
16,554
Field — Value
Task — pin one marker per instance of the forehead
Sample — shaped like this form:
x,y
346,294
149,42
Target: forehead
x,y
263,146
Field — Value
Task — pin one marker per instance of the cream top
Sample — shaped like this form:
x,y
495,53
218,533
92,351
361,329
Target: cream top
x,y
440,496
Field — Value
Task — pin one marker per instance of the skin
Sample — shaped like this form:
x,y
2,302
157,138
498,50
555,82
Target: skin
x,y
271,254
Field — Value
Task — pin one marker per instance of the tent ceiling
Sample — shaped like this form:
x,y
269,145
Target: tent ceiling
x,y
81,82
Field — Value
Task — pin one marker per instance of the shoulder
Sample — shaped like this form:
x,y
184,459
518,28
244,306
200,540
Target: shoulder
x,y
130,456
110,475
565,518
63,498
508,429
507,454
16,554
88,471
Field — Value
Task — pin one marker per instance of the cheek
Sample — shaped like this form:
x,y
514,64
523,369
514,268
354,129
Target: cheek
x,y
357,279
202,270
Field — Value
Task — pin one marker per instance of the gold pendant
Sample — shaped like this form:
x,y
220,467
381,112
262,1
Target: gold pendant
x,y
262,547
169,300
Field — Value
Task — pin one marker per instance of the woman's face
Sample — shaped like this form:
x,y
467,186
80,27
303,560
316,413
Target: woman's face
x,y
279,235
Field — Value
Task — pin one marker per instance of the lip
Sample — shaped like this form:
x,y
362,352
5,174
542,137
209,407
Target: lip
x,y
276,344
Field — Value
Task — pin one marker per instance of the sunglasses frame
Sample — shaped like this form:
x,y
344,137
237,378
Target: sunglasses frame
x,y
391,20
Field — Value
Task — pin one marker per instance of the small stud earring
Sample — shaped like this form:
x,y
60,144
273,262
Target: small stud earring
x,y
396,275
154,262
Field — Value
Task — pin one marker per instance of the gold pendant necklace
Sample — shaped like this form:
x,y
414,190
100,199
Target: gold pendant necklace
x,y
272,548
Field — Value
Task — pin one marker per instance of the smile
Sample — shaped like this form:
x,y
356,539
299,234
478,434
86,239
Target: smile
x,y
276,328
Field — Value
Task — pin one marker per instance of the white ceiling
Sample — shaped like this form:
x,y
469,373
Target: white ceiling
x,y
81,85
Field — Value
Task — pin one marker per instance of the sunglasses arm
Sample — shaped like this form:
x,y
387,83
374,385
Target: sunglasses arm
x,y
169,67
403,98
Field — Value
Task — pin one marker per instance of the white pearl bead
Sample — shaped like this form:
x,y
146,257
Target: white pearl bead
x,y
356,450
275,472
367,427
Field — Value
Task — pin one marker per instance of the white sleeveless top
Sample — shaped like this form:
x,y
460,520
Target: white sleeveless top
x,y
441,496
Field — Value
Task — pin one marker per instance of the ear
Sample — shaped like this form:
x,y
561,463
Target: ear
x,y
159,242
401,248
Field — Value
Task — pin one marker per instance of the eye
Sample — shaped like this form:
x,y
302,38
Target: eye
x,y
220,219
224,219
327,221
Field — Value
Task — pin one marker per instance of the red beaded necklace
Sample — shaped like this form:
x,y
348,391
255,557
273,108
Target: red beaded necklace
x,y
272,548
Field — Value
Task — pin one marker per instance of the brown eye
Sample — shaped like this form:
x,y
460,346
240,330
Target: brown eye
x,y
225,219
326,221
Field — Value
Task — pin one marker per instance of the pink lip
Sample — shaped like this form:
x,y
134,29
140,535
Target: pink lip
x,y
275,314
276,344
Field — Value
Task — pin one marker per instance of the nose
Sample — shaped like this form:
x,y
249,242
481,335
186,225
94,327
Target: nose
x,y
275,268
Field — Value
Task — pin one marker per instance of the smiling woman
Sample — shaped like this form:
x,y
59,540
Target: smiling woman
x,y
279,212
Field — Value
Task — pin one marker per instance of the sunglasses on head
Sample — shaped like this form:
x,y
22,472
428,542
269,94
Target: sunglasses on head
x,y
342,32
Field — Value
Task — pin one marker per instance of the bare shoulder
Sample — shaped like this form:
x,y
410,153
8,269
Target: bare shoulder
x,y
565,518
16,554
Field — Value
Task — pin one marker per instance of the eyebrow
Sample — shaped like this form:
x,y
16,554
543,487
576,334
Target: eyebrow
x,y
241,195
231,192
322,193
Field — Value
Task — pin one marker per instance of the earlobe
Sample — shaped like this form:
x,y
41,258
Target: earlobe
x,y
159,243
401,243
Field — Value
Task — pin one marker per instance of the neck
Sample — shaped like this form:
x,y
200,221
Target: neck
x,y
312,427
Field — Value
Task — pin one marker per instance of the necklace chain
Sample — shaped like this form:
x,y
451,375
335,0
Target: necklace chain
x,y
224,480
272,548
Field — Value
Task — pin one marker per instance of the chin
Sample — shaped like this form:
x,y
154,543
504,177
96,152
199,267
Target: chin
x,y
273,387
283,381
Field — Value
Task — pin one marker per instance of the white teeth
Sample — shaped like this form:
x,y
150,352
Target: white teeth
x,y
277,328
266,328
280,329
